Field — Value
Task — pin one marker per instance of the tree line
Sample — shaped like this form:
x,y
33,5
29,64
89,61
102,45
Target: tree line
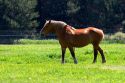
x,y
31,14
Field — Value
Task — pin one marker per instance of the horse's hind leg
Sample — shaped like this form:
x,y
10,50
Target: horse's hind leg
x,y
96,49
73,54
63,54
102,54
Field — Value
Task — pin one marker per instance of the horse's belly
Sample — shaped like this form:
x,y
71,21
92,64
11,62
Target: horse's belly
x,y
79,42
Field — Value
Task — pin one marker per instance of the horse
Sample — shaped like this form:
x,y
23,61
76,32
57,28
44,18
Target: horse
x,y
70,38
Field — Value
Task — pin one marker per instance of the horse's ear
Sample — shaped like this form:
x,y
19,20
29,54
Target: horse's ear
x,y
49,21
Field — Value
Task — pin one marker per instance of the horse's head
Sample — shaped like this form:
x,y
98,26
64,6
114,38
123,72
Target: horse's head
x,y
52,26
46,28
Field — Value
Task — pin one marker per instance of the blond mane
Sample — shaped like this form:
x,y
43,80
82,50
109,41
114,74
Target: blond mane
x,y
58,23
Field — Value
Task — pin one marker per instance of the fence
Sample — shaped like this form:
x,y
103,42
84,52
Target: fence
x,y
8,36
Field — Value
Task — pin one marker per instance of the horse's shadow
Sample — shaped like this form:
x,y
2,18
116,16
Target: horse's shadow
x,y
53,56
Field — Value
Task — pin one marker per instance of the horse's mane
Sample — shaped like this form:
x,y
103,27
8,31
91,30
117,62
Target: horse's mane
x,y
59,23
62,24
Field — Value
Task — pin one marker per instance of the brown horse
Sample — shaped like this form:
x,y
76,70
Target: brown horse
x,y
70,37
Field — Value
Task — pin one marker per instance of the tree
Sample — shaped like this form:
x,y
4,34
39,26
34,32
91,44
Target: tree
x,y
51,9
18,13
76,12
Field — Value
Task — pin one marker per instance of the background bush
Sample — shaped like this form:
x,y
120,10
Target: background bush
x,y
118,37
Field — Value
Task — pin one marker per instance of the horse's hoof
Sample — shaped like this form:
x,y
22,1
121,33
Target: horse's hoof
x,y
62,62
75,62
104,61
94,62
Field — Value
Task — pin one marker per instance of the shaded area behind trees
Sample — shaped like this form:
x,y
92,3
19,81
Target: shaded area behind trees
x,y
18,16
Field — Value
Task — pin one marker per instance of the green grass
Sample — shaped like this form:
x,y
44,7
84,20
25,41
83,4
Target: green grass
x,y
31,41
40,63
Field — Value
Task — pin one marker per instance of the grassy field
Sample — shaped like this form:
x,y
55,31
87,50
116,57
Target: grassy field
x,y
40,63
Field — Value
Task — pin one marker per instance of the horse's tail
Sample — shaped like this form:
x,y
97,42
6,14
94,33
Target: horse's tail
x,y
102,34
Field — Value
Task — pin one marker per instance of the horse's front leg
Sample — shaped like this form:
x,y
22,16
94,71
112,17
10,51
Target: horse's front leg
x,y
73,54
95,55
63,54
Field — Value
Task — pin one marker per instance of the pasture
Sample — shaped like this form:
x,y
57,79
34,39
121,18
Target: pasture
x,y
41,63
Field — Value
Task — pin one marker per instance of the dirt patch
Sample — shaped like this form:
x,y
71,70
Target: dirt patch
x,y
114,67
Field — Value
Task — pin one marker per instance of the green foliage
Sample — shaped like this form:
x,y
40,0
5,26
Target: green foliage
x,y
81,13
118,37
19,13
17,16
41,64
72,7
27,14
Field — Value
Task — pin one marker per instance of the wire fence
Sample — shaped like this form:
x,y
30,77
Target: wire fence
x,y
8,36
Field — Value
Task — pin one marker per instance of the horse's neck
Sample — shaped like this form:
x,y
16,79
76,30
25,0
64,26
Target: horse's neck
x,y
59,27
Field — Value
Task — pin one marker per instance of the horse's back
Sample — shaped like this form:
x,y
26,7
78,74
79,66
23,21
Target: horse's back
x,y
90,30
77,37
82,37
